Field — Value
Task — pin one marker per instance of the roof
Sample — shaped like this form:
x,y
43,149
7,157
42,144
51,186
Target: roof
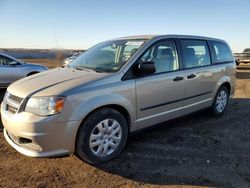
x,y
138,37
168,36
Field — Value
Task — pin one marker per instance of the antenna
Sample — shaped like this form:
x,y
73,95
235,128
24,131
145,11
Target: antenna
x,y
55,30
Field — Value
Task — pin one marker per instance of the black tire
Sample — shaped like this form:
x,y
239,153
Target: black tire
x,y
214,108
82,148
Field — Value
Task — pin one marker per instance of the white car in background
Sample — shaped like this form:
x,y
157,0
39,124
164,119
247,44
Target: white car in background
x,y
12,69
71,58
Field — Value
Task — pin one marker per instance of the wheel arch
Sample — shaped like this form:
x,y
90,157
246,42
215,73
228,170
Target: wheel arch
x,y
227,85
117,107
31,73
227,82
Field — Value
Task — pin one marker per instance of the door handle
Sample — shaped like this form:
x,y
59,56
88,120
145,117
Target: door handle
x,y
178,78
191,76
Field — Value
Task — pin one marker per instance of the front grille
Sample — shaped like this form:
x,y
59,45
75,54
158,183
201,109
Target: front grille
x,y
15,98
12,103
11,109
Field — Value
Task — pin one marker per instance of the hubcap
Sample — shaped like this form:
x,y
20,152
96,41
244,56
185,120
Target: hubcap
x,y
221,101
105,137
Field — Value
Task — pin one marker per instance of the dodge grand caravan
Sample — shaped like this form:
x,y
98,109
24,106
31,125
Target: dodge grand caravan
x,y
90,106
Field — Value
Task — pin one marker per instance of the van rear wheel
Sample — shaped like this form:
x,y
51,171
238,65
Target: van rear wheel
x,y
220,101
102,136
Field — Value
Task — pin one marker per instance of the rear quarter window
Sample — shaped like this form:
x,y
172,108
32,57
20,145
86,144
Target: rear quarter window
x,y
222,52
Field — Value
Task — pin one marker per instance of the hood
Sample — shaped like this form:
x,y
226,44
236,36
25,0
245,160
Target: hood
x,y
53,82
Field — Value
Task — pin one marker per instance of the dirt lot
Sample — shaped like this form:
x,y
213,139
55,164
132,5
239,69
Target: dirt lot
x,y
194,150
51,63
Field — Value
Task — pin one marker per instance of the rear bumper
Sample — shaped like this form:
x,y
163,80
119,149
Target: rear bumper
x,y
37,136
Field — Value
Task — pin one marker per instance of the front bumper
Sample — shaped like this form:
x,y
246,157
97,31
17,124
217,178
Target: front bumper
x,y
244,60
37,136
33,153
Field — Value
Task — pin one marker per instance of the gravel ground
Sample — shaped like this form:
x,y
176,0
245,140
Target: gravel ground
x,y
196,150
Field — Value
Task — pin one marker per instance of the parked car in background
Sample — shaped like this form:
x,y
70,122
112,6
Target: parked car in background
x,y
12,69
71,58
243,57
115,88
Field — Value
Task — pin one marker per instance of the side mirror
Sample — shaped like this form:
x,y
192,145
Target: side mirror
x,y
146,68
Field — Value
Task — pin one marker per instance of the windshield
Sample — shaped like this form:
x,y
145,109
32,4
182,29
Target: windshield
x,y
108,56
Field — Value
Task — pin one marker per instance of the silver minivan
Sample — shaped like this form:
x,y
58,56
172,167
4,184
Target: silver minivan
x,y
116,87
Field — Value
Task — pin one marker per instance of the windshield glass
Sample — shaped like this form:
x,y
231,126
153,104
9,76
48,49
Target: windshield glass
x,y
108,56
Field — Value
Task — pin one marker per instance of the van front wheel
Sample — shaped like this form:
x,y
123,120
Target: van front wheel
x,y
220,101
102,136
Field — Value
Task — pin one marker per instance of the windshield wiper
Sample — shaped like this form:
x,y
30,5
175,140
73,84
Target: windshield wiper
x,y
65,65
89,69
84,68
99,71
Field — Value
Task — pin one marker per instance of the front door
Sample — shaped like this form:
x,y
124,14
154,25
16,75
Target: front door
x,y
159,95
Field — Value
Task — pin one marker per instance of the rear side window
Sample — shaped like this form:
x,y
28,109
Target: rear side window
x,y
195,53
222,52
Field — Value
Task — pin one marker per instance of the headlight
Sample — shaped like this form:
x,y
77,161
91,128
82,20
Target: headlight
x,y
45,106
5,98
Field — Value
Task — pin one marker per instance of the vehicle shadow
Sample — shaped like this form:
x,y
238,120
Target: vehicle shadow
x,y
194,150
